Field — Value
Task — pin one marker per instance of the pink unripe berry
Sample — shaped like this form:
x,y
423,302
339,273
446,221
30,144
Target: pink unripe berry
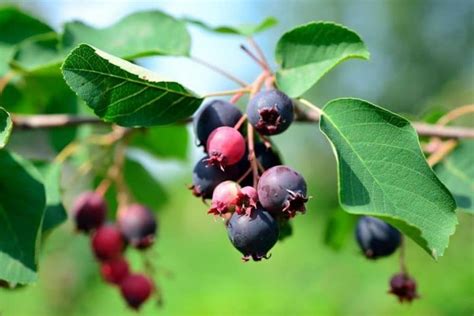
x,y
226,146
224,198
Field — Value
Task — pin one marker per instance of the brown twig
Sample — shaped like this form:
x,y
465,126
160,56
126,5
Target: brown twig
x,y
26,122
443,150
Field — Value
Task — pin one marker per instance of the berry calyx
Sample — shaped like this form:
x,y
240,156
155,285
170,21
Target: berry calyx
x,y
246,201
212,115
224,198
226,146
376,238
404,287
270,112
282,190
136,289
114,271
89,211
107,243
253,235
138,225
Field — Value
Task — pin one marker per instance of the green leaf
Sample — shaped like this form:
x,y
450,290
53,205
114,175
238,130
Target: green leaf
x,y
22,203
382,172
457,172
170,141
245,30
137,35
143,186
124,93
6,126
309,51
55,213
15,27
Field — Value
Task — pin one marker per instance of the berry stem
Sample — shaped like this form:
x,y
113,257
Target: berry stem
x,y
244,175
236,97
6,79
260,53
442,151
219,70
455,114
241,121
252,158
255,58
227,92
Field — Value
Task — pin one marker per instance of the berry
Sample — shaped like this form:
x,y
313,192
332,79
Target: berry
x,y
136,289
253,235
224,198
404,287
114,271
89,211
206,178
270,112
246,201
212,115
376,238
138,225
281,189
108,243
267,157
226,146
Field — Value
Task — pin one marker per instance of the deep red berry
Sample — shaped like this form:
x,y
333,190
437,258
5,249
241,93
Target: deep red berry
x,y
136,289
253,235
225,146
108,243
224,198
246,202
89,211
270,112
115,270
404,287
138,225
281,189
376,238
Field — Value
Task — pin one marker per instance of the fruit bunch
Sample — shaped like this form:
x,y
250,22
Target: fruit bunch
x,y
136,227
242,172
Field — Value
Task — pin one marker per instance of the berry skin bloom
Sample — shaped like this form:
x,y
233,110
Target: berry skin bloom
x,y
224,198
138,225
114,271
404,287
107,243
270,112
281,189
253,235
89,211
212,115
376,238
225,146
246,201
136,289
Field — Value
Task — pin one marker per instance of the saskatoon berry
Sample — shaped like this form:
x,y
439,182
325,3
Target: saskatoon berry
x,y
138,225
253,235
115,270
281,189
404,287
206,178
212,115
246,202
108,243
136,289
376,238
270,112
267,157
224,198
226,146
89,211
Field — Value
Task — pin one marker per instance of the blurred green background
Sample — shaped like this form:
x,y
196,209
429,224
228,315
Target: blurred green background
x,y
422,61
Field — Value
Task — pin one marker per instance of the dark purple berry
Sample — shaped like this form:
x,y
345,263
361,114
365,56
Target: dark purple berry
x,y
225,146
404,287
138,225
114,271
206,178
246,202
267,157
224,198
376,238
212,115
136,289
253,235
89,211
270,112
281,189
108,243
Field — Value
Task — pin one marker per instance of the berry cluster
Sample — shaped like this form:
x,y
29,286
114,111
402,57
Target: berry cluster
x,y
378,239
135,226
244,177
